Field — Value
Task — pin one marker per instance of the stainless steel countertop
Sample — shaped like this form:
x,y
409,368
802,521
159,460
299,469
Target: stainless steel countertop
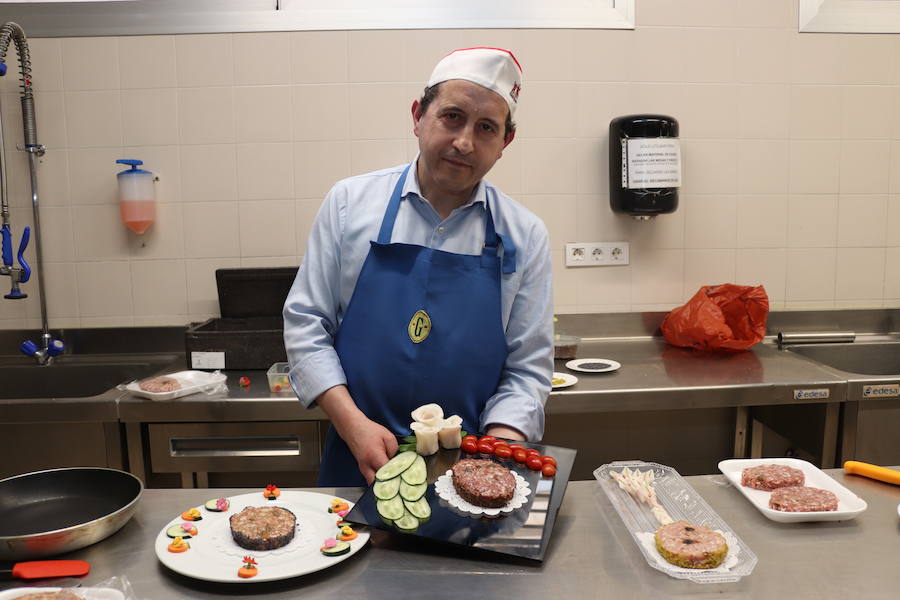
x,y
591,554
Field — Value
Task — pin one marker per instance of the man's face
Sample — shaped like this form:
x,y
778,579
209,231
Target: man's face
x,y
461,136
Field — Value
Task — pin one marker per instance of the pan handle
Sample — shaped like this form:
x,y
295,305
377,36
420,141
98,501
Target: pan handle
x,y
233,446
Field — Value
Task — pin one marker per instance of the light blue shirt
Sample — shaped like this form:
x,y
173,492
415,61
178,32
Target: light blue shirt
x,y
338,246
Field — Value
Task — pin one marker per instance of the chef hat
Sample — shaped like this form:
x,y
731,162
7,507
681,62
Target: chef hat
x,y
493,68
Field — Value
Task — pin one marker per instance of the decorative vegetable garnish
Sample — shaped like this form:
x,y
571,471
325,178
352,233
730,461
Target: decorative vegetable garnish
x,y
271,492
178,545
338,505
191,514
249,569
347,534
222,504
244,381
188,527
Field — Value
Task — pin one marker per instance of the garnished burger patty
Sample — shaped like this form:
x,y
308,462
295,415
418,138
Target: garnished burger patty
x,y
263,527
770,477
693,546
802,499
483,482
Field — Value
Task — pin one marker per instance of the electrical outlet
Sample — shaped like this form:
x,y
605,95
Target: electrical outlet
x,y
596,254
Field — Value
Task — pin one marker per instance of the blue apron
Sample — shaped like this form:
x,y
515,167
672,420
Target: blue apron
x,y
422,326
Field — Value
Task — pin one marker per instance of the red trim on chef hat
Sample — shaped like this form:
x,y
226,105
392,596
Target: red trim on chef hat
x,y
493,68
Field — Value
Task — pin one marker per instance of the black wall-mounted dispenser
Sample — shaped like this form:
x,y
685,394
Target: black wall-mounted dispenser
x,y
644,165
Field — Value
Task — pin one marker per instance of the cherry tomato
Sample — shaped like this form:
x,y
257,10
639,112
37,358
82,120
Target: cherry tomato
x,y
516,447
469,446
487,438
548,470
500,443
532,452
502,452
548,460
485,448
474,438
534,463
520,455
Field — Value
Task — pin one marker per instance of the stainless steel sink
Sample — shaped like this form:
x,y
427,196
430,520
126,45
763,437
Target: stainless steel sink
x,y
74,376
871,358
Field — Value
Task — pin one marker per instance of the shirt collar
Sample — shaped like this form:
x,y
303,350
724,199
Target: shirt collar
x,y
479,195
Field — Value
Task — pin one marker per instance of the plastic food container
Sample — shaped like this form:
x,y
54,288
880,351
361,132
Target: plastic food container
x,y
191,382
278,377
565,346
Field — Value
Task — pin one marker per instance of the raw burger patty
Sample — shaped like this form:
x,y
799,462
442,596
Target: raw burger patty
x,y
263,527
160,384
770,477
483,482
693,546
802,499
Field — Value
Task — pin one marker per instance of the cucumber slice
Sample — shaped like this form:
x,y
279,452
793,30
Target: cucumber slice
x,y
416,473
176,531
407,522
387,489
396,465
212,505
419,509
341,548
412,492
390,509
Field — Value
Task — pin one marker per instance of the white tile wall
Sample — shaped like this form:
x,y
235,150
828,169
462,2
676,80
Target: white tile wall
x,y
791,155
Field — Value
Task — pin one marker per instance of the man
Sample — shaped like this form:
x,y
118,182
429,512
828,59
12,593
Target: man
x,y
423,283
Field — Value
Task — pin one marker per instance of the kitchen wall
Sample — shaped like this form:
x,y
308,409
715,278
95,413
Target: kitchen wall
x,y
791,155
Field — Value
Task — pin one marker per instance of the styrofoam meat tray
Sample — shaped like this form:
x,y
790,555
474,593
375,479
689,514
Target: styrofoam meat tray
x,y
191,383
849,504
89,593
682,502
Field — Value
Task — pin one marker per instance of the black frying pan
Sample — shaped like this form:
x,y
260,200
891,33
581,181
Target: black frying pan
x,y
50,512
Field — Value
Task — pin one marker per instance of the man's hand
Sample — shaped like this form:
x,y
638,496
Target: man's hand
x,y
502,431
371,444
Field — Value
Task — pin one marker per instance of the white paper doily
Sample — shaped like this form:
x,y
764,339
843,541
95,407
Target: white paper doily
x,y
444,488
648,540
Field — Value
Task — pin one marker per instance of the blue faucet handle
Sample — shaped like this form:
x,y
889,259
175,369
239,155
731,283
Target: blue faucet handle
x,y
56,347
7,245
26,270
28,348
2,69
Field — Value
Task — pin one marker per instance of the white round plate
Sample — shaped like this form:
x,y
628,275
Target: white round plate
x,y
563,380
593,365
214,556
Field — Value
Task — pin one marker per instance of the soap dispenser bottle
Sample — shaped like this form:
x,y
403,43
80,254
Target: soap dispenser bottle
x,y
137,197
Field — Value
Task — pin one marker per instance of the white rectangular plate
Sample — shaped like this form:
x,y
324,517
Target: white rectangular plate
x,y
191,383
849,504
682,502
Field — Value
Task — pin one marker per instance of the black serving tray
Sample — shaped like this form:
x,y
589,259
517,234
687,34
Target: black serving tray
x,y
524,532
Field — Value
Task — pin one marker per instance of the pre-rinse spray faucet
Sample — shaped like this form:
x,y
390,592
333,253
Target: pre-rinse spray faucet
x,y
49,347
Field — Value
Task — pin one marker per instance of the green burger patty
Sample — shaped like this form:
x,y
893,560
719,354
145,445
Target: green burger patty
x,y
691,546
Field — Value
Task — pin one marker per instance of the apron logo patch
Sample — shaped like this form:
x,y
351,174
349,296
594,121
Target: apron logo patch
x,y
419,326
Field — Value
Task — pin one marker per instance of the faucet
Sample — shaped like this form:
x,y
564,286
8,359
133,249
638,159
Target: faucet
x,y
49,347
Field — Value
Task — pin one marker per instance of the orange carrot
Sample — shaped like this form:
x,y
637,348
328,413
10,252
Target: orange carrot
x,y
873,471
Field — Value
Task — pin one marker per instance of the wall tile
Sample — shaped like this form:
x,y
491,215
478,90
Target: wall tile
x,y
760,55
50,110
893,221
204,60
208,173
206,115
763,266
211,230
662,232
318,166
549,112
603,285
763,111
867,59
93,175
104,290
90,63
812,221
263,113
865,167
558,213
708,267
423,48
862,220
202,294
379,111
596,104
159,287
262,58
319,56
815,111
164,239
892,273
62,290
688,13
265,171
268,228
57,235
372,155
815,167
866,112
375,56
710,55
603,55
763,166
592,166
547,166
709,166
46,63
707,110
321,112
816,58
657,277
544,54
93,119
649,43
860,273
52,178
762,221
810,274
710,221
99,232
506,174
149,117
147,61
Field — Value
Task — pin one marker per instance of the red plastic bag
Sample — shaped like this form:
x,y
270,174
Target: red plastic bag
x,y
719,317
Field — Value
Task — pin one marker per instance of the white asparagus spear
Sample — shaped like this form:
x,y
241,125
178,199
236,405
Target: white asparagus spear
x,y
449,434
426,438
